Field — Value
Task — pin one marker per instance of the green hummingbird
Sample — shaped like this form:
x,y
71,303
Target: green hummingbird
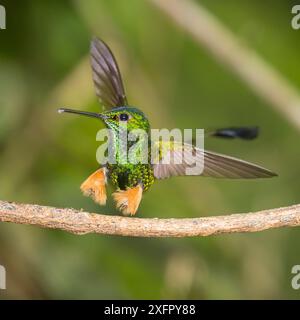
x,y
131,180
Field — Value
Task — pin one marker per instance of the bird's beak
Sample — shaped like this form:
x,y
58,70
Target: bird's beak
x,y
83,113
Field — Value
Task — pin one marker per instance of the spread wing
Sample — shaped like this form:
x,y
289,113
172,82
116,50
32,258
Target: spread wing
x,y
106,75
215,165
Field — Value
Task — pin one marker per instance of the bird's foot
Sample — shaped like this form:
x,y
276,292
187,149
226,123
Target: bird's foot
x,y
128,201
94,186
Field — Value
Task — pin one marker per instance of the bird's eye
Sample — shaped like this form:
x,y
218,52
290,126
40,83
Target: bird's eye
x,y
124,117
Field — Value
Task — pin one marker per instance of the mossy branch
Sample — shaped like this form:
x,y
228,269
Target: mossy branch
x,y
80,222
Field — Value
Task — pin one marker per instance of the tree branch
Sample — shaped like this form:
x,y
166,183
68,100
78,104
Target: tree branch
x,y
80,222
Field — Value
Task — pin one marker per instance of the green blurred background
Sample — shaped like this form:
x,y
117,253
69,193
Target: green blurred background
x,y
44,157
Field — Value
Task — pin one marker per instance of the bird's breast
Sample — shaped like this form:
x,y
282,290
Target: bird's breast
x,y
130,175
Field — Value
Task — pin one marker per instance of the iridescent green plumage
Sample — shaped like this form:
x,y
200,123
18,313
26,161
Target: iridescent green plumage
x,y
128,176
125,174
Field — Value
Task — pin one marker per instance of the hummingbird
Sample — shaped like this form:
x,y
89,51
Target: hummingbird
x,y
130,180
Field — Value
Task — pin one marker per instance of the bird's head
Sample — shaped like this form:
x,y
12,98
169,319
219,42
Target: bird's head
x,y
125,117
118,118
